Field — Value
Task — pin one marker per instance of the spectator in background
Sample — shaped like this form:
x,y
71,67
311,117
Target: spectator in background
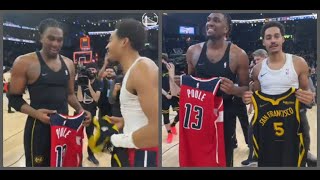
x,y
313,76
106,76
114,99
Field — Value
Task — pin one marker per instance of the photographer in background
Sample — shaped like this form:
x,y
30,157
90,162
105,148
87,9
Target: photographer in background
x,y
88,94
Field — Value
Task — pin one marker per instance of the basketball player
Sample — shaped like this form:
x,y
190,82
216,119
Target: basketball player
x,y
292,69
138,94
49,77
220,58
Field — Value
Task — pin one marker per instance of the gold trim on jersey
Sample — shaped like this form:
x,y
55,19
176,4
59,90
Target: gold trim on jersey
x,y
255,153
32,133
297,106
92,140
301,150
277,101
165,74
94,137
255,146
256,110
165,111
255,117
176,109
115,156
300,135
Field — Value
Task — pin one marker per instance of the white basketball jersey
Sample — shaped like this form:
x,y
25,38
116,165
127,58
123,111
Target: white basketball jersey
x,y
134,117
278,81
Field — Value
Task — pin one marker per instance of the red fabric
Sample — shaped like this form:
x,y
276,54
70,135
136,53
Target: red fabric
x,y
5,87
131,154
201,142
66,140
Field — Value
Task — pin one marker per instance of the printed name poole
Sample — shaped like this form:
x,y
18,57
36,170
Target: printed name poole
x,y
196,94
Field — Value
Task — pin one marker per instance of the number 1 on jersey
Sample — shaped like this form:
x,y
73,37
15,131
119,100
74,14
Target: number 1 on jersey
x,y
60,150
199,117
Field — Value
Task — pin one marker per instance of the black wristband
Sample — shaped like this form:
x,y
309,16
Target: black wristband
x,y
16,101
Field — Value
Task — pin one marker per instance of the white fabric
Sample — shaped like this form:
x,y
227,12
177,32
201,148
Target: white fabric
x,y
123,140
275,82
134,117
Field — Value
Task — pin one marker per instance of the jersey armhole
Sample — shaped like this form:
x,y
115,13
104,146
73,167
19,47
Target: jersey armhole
x,y
216,89
63,63
262,66
127,75
291,65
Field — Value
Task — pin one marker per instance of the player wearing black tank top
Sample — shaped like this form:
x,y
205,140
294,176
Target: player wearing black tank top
x,y
220,58
50,81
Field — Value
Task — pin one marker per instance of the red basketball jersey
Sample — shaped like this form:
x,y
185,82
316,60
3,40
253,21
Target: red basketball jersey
x,y
201,123
66,140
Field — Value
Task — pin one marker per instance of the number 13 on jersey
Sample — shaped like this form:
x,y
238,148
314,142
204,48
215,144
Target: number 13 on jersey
x,y
198,117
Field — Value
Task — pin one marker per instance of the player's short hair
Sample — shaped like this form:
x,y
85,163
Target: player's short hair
x,y
46,23
272,24
229,23
134,31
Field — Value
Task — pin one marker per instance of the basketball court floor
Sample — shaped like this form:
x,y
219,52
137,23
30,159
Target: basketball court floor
x,y
170,154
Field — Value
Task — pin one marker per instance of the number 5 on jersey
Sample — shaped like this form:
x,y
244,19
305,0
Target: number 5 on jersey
x,y
198,117
278,128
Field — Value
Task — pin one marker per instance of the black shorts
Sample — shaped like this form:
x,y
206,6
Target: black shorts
x,y
173,102
37,142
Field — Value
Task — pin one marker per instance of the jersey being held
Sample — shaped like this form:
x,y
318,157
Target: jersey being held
x,y
102,135
277,139
201,123
66,140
